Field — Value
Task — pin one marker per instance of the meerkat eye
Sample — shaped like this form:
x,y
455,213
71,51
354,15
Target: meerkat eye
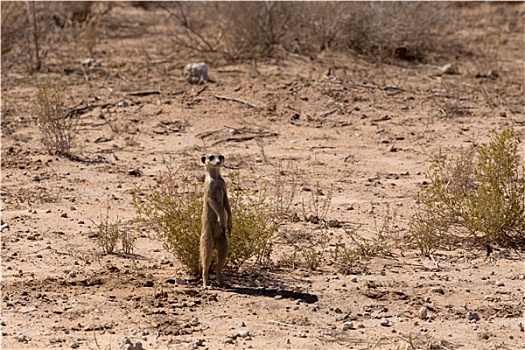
x,y
221,158
212,158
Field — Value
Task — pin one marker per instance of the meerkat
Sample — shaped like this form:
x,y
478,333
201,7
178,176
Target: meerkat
x,y
216,217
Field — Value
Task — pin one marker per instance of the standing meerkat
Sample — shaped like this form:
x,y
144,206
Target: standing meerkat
x,y
216,217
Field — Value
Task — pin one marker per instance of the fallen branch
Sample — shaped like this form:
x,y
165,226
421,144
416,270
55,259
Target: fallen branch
x,y
234,139
143,93
282,323
220,97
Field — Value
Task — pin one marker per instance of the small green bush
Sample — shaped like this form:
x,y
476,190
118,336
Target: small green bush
x,y
476,198
173,213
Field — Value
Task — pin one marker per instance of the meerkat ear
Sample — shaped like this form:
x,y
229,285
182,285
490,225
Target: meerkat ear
x,y
203,159
221,158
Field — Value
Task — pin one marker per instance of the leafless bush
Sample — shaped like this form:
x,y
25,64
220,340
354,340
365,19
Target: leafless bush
x,y
58,127
32,29
246,30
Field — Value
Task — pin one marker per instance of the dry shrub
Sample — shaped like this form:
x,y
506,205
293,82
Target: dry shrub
x,y
237,31
174,212
477,198
58,127
404,30
32,30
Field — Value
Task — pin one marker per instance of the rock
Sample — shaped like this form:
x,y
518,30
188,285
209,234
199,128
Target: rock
x,y
195,344
499,284
21,338
229,340
196,73
338,310
5,226
472,317
384,322
520,326
347,325
341,317
75,345
450,68
301,334
243,334
72,274
422,313
333,223
91,63
287,341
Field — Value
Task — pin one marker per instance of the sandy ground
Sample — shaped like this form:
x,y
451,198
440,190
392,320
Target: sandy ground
x,y
365,131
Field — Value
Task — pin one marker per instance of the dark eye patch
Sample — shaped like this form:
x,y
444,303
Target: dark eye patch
x,y
212,158
221,158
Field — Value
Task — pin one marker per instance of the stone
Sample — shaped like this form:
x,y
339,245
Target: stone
x,y
472,317
196,73
423,313
347,325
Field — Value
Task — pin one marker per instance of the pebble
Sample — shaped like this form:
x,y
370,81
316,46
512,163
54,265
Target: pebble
x,y
521,327
423,313
499,284
2,323
384,322
347,325
72,274
243,334
287,341
22,338
195,344
472,317
229,340
450,68
75,345
75,262
343,317
301,334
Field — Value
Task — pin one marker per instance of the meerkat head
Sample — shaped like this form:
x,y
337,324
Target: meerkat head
x,y
213,160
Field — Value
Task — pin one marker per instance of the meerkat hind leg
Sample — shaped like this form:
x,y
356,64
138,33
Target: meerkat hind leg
x,y
206,256
222,250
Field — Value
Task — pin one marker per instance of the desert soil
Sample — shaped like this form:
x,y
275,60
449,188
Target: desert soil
x,y
366,131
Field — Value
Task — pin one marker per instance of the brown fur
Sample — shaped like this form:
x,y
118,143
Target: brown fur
x,y
216,217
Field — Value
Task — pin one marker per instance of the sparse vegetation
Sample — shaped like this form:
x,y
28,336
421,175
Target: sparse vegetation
x,y
251,30
57,126
108,234
477,198
173,212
